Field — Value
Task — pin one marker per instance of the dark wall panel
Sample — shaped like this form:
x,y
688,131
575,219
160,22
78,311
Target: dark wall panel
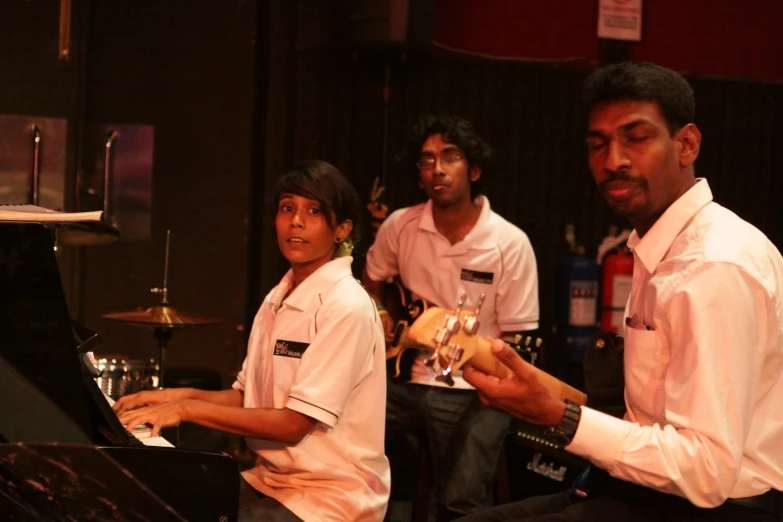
x,y
36,81
741,154
187,69
532,116
33,78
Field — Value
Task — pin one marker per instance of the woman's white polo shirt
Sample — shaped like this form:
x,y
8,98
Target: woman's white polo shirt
x,y
320,352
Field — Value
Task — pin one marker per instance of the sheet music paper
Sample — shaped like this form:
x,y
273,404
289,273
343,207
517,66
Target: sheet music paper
x,y
35,214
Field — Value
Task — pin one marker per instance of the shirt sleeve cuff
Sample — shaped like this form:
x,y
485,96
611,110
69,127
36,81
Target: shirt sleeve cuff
x,y
598,437
312,410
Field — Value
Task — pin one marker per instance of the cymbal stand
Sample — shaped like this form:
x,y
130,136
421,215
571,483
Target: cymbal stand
x,y
162,333
164,301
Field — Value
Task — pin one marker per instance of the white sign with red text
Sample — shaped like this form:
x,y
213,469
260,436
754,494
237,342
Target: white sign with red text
x,y
620,19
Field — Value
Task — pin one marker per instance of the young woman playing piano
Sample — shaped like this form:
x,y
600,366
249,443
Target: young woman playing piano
x,y
310,396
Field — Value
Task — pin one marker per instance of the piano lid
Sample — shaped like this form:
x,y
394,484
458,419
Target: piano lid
x,y
47,395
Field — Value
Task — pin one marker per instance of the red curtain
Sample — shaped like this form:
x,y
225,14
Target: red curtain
x,y
724,38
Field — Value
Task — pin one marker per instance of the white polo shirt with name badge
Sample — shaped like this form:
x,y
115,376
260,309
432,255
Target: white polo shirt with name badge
x,y
320,352
495,258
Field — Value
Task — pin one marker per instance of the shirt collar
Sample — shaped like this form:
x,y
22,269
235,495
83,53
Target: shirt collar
x,y
651,248
481,236
313,286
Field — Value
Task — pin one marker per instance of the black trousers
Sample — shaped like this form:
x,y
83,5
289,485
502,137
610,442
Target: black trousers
x,y
464,438
620,501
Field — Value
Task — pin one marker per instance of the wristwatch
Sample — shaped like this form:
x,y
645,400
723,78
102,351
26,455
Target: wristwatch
x,y
563,432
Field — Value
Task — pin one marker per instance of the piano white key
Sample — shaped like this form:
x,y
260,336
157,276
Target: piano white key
x,y
144,434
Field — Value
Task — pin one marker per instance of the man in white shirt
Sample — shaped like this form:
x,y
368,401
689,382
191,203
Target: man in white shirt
x,y
701,438
451,245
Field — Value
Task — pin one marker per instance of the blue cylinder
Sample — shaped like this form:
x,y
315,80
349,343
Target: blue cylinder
x,y
577,305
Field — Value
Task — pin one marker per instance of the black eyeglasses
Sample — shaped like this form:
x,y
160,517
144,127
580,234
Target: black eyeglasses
x,y
448,158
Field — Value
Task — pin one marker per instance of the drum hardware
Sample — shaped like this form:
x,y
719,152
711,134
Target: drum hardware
x,y
119,375
111,378
163,318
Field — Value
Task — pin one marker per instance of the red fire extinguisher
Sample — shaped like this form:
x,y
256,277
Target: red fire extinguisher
x,y
616,277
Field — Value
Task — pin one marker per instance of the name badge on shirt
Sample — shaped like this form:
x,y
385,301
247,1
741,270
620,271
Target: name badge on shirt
x,y
477,277
290,348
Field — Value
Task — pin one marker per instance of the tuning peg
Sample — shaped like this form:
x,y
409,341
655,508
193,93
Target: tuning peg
x,y
472,323
534,353
445,377
455,354
452,323
442,336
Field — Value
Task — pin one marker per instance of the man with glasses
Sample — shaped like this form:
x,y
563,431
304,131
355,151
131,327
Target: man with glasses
x,y
453,244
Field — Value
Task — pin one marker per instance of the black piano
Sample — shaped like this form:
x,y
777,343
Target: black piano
x,y
63,453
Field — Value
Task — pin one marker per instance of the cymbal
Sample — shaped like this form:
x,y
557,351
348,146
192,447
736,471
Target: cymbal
x,y
161,315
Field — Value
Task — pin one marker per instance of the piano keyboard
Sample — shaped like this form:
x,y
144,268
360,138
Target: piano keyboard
x,y
143,433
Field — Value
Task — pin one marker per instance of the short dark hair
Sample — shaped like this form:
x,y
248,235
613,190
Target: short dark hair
x,y
322,182
457,131
643,81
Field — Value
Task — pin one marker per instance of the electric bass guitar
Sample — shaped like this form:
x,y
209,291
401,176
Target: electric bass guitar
x,y
401,351
451,336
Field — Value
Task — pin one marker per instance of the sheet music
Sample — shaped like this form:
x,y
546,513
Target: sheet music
x,y
144,432
35,214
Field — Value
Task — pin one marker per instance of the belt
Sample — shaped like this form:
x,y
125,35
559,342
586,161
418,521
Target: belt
x,y
769,502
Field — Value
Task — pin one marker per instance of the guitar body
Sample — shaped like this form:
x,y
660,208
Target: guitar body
x,y
401,351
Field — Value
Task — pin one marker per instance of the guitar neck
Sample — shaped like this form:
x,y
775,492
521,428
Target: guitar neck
x,y
485,361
